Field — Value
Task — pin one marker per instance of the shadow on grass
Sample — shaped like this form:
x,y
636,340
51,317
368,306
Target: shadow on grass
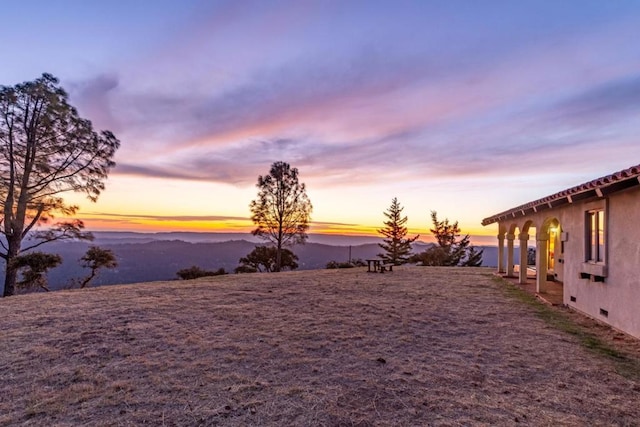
x,y
625,364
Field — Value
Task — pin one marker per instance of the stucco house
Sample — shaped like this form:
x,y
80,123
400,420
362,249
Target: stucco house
x,y
588,239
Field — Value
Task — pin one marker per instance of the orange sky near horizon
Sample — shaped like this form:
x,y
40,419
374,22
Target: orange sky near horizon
x,y
101,222
164,205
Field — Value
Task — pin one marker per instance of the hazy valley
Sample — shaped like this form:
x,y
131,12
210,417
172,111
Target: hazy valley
x,y
144,257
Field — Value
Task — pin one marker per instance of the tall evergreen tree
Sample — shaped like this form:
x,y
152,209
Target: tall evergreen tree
x,y
447,235
451,250
397,248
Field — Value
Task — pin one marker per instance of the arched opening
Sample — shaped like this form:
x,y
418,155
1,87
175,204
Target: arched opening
x,y
554,250
553,246
549,258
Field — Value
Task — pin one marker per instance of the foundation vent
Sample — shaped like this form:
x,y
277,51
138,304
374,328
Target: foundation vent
x,y
572,298
604,312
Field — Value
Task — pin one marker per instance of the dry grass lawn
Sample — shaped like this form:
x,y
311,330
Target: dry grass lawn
x,y
419,346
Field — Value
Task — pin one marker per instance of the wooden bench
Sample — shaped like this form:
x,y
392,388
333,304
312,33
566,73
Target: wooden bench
x,y
385,267
376,265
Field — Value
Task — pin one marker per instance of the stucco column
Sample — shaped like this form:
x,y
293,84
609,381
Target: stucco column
x,y
542,245
524,254
510,238
500,253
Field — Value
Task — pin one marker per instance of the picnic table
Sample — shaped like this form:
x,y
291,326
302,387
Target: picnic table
x,y
376,265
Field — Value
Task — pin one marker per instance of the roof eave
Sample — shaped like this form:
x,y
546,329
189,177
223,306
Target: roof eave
x,y
600,187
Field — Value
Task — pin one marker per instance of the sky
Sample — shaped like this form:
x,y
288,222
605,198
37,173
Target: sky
x,y
467,108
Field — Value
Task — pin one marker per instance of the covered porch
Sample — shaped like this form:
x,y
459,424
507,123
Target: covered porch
x,y
536,269
578,247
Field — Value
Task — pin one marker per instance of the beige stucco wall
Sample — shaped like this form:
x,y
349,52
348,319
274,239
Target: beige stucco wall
x,y
624,262
619,295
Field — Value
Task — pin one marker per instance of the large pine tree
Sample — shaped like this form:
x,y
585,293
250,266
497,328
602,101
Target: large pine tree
x,y
397,248
46,152
282,210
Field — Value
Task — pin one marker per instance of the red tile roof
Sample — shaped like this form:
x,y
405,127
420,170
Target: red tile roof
x,y
613,182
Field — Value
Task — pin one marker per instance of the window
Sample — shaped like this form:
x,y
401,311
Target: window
x,y
595,236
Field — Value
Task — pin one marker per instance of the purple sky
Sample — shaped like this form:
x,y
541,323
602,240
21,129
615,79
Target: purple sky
x,y
464,107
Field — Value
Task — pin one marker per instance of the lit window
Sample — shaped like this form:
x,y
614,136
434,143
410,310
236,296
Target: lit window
x,y
595,236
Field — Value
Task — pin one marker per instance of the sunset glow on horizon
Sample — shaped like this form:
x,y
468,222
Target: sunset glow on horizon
x,y
465,108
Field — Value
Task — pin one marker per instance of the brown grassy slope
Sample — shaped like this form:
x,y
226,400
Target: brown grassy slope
x,y
419,346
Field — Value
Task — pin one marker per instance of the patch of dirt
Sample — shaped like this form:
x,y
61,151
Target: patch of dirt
x,y
419,346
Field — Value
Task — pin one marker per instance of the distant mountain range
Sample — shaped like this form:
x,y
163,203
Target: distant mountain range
x,y
145,257
110,237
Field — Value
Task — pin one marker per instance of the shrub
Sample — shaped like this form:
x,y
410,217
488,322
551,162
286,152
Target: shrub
x,y
353,263
433,256
195,272
245,269
264,258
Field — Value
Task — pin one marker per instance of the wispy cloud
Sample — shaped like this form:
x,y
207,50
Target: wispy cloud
x,y
421,91
181,218
609,100
202,222
93,100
